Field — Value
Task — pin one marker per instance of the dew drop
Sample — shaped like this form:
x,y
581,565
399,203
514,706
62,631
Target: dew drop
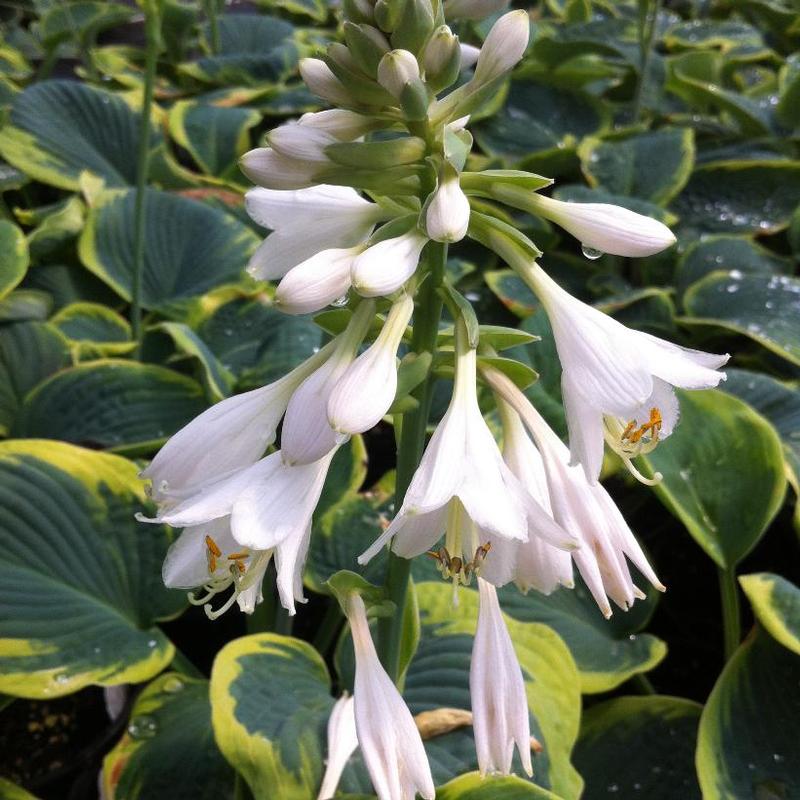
x,y
340,302
173,686
590,252
62,678
142,727
612,788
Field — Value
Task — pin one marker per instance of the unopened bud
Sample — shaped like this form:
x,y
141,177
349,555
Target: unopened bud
x,y
442,59
338,122
387,13
320,81
504,47
447,214
414,26
358,10
301,142
473,9
367,46
396,69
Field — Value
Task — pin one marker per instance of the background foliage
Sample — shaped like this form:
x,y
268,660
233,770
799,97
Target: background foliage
x,y
699,130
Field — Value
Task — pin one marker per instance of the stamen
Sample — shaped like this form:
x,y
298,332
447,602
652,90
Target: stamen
x,y
213,547
237,556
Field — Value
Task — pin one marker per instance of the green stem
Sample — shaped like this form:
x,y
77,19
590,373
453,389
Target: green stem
x,y
181,663
328,628
153,38
648,23
642,684
212,10
427,312
731,621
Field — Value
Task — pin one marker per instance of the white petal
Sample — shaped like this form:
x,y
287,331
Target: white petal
x,y
343,124
680,366
302,142
385,266
316,282
279,504
447,217
319,78
342,743
267,168
290,558
504,46
186,562
585,425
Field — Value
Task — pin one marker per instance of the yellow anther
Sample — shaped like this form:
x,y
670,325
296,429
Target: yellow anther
x,y
212,546
212,563
652,427
238,556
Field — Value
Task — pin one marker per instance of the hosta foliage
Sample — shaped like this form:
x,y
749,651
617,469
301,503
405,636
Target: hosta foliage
x,y
708,140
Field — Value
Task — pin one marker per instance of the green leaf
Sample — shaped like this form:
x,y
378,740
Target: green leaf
x,y
169,748
270,702
60,129
80,20
58,228
475,787
115,404
254,48
726,252
318,10
94,329
29,353
346,474
776,605
215,136
520,373
256,342
439,677
538,117
765,308
10,791
23,305
653,166
723,474
748,730
639,746
512,292
217,380
189,248
728,35
740,197
81,575
13,256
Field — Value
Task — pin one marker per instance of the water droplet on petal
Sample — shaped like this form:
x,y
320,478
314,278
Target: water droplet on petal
x,y
173,686
142,727
340,302
590,252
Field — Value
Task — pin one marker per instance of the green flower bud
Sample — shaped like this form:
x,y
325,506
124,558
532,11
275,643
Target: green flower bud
x,y
358,11
367,46
442,59
388,13
396,69
414,26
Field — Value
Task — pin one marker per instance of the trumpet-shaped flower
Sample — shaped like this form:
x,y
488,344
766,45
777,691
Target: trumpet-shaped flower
x,y
385,266
389,739
463,487
503,48
585,509
366,389
342,743
606,228
341,219
230,435
617,383
537,564
447,215
499,705
306,434
316,282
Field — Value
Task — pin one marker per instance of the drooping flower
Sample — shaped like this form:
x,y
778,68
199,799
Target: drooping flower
x,y
342,219
386,265
584,509
606,228
230,435
307,434
463,487
617,383
366,388
389,740
316,282
499,705
537,564
342,743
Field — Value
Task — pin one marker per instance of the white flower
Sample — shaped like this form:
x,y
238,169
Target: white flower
x,y
463,487
396,69
208,556
389,740
302,142
268,168
472,9
606,228
341,218
585,509
230,435
469,55
319,78
616,382
537,564
366,389
342,743
306,434
385,266
503,48
316,282
344,125
447,216
499,705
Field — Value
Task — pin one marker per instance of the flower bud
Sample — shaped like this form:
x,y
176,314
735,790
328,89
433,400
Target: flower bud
x,y
414,26
442,59
274,171
396,69
367,387
606,228
504,47
316,282
447,215
319,79
338,122
469,55
473,9
301,142
358,10
384,267
367,46
387,13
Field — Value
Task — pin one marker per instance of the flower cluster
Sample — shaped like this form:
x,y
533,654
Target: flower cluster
x,y
353,198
